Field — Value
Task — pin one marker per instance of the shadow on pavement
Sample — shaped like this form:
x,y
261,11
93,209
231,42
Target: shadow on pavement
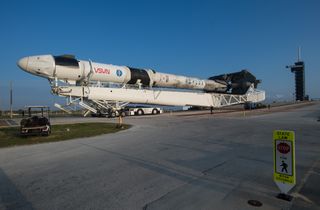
x,y
10,196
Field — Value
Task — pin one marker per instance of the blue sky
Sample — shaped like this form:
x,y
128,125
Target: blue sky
x,y
196,38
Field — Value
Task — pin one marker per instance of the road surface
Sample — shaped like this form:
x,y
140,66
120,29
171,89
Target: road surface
x,y
167,162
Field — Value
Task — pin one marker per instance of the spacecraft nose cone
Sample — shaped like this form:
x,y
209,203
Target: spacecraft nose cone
x,y
23,63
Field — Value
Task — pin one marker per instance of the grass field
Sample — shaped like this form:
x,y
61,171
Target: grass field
x,y
10,136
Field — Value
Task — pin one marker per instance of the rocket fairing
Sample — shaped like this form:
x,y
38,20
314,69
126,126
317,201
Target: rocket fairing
x,y
79,72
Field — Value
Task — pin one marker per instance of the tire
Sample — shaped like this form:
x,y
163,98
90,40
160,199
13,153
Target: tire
x,y
155,111
45,133
112,114
140,112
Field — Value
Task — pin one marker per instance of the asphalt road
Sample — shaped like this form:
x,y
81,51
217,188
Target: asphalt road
x,y
166,162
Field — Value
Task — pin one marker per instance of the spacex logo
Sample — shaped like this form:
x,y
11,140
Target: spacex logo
x,y
119,73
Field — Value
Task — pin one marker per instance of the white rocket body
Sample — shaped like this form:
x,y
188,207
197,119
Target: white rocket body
x,y
75,71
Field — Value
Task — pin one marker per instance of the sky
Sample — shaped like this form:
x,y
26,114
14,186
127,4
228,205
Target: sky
x,y
193,38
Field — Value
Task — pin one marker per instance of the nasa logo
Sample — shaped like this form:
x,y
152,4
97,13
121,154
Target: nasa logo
x,y
283,148
119,73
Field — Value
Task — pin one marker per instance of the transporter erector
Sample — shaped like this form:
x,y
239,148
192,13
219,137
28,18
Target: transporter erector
x,y
139,85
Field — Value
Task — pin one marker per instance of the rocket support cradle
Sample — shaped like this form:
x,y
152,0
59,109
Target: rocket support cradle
x,y
160,97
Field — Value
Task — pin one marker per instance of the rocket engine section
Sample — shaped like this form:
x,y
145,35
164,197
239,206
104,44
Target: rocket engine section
x,y
238,82
78,72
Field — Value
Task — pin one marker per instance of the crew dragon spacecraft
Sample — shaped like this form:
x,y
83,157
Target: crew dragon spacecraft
x,y
84,82
79,72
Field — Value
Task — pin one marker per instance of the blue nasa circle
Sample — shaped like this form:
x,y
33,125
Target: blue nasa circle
x,y
119,73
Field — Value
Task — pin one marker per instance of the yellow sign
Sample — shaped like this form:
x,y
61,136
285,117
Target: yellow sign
x,y
284,159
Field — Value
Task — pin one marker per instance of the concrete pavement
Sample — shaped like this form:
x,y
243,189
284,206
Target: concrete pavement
x,y
166,162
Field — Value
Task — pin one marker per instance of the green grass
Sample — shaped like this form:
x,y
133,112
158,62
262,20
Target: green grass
x,y
11,137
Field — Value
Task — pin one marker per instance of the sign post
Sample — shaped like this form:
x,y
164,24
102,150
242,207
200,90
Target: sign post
x,y
284,162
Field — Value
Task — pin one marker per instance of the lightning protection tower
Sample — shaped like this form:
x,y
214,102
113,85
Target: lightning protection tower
x,y
298,70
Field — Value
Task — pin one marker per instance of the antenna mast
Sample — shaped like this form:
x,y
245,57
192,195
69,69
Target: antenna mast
x,y
299,54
